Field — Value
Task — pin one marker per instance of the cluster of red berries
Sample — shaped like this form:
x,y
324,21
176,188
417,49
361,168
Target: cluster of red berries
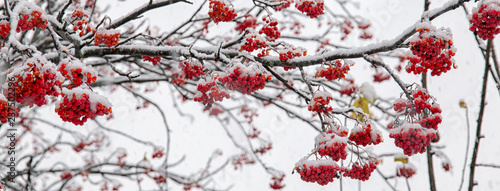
x,y
361,172
79,104
152,59
335,70
312,8
271,28
405,170
249,22
412,138
66,175
221,11
348,88
319,103
484,21
160,179
35,79
208,92
30,21
365,34
80,22
245,79
365,135
321,171
6,110
286,4
77,73
191,69
432,50
277,182
381,76
107,37
214,110
252,41
4,28
332,145
158,152
346,28
289,52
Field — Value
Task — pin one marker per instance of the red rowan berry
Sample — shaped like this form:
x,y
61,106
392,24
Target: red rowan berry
x,y
4,28
406,170
108,37
312,8
6,110
332,145
319,171
152,59
319,103
220,10
335,70
485,20
244,77
80,104
367,134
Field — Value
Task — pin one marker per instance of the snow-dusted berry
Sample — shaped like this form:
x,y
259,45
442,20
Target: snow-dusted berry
x,y
244,77
270,29
312,8
152,59
209,92
288,51
365,135
29,19
332,145
4,28
109,37
406,170
191,69
80,104
334,71
485,20
7,111
412,137
319,171
361,172
319,103
77,72
221,11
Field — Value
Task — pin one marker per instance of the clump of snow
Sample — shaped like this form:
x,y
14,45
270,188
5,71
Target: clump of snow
x,y
368,92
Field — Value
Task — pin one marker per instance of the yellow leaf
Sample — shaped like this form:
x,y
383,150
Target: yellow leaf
x,y
403,159
362,103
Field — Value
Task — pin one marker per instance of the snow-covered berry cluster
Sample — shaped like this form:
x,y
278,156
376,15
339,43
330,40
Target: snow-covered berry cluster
x,y
367,134
405,170
332,145
152,59
109,37
319,103
30,20
221,11
80,20
319,171
312,8
361,172
485,20
209,92
244,77
288,51
80,104
6,110
431,50
4,28
249,22
271,28
285,4
348,87
277,183
423,115
336,70
191,69
77,72
252,41
35,79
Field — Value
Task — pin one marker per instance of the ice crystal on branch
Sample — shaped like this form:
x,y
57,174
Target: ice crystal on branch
x,y
485,20
431,50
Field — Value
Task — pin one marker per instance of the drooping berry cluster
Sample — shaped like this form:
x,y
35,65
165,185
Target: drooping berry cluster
x,y
332,145
4,28
288,51
209,92
270,29
108,37
80,104
77,72
152,59
367,134
485,20
80,20
221,11
406,170
361,172
336,70
423,116
35,78
277,182
252,41
319,103
31,20
412,138
249,22
319,171
348,87
312,8
191,69
431,50
6,110
244,77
